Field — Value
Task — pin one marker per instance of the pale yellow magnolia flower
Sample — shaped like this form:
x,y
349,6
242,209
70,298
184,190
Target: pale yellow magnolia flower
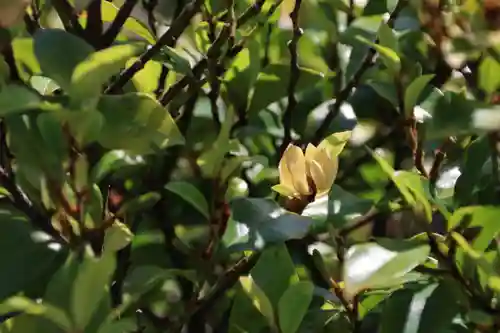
x,y
302,175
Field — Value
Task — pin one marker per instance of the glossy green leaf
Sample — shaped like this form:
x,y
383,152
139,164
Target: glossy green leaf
x,y
265,222
190,194
274,273
28,306
427,308
484,217
140,203
90,287
269,86
389,57
387,38
119,326
16,99
59,52
117,237
414,90
334,143
90,74
109,11
28,256
113,161
488,80
136,123
259,299
372,265
293,306
475,157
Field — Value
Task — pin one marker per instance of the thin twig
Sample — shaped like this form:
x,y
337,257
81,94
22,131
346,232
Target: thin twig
x,y
21,201
353,82
167,39
200,67
226,282
294,76
117,24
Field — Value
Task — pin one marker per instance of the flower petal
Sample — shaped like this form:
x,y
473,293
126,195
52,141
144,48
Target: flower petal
x,y
293,166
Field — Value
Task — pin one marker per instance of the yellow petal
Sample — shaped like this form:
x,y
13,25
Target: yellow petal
x,y
293,168
321,168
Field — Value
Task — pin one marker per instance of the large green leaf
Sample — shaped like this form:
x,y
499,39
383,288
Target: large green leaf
x,y
484,217
274,273
259,299
59,52
90,74
90,287
16,99
28,306
191,194
271,87
372,265
422,309
137,123
413,92
28,257
488,80
475,157
293,306
262,221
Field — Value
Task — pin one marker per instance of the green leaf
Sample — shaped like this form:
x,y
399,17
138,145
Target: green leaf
x,y
119,326
117,237
414,90
24,53
140,203
373,266
109,12
387,37
340,208
59,52
421,309
175,62
265,222
293,306
85,126
402,187
484,217
191,194
475,157
17,99
389,57
28,256
137,123
27,306
269,86
274,273
90,287
488,80
51,130
113,161
259,299
335,143
90,74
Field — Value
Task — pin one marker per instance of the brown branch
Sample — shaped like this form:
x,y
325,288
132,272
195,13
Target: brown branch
x,y
117,24
294,76
167,39
200,67
226,282
353,82
68,17
93,29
